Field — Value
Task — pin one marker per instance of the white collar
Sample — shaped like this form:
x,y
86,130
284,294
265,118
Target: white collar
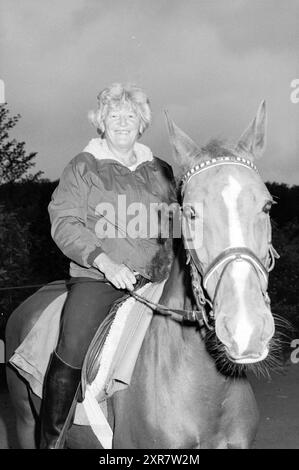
x,y
99,149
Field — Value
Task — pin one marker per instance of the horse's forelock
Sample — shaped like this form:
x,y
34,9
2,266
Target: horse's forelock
x,y
215,148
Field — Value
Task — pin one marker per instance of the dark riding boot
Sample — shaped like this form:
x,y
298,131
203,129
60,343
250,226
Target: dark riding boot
x,y
60,394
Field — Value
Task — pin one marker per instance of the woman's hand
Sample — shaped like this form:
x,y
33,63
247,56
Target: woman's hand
x,y
118,274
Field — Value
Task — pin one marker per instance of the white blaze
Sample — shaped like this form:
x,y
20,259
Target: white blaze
x,y
240,269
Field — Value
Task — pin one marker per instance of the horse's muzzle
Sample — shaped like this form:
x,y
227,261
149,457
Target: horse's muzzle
x,y
245,340
250,359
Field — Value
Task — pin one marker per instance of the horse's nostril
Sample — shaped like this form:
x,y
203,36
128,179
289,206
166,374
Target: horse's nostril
x,y
223,332
268,328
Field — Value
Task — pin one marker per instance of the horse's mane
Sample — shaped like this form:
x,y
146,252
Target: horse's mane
x,y
162,261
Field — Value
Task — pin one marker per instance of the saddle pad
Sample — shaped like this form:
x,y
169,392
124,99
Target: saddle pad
x,y
31,358
117,360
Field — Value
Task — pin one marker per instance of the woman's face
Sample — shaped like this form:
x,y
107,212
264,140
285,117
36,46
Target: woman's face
x,y
122,125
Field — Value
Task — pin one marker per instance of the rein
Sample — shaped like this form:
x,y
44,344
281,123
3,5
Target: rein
x,y
176,314
225,258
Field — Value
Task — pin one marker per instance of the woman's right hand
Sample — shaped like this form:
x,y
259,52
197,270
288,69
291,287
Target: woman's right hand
x,y
118,274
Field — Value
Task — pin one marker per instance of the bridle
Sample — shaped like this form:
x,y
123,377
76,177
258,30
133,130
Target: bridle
x,y
201,277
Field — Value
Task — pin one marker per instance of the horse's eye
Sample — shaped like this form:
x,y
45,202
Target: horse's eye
x,y
267,207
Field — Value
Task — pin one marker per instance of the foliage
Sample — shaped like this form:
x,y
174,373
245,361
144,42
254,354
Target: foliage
x,y
284,280
28,254
15,266
14,247
287,203
14,161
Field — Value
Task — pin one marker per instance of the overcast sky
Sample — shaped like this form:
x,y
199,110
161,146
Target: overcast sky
x,y
209,62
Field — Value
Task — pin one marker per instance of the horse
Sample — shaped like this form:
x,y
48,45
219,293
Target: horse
x,y
189,388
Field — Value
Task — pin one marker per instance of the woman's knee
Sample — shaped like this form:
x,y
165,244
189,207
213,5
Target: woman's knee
x,y
71,350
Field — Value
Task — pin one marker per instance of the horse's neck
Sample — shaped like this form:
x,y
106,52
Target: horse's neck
x,y
177,292
173,360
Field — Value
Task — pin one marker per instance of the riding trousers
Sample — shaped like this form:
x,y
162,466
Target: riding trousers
x,y
87,304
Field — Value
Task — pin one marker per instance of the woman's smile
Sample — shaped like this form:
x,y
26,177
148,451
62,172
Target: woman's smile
x,y
122,126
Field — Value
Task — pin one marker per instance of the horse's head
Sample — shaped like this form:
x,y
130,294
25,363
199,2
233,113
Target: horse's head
x,y
225,198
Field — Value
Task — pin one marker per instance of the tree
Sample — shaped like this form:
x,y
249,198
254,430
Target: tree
x,y
14,247
14,161
15,265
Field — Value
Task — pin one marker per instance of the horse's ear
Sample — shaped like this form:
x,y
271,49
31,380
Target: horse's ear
x,y
184,148
253,140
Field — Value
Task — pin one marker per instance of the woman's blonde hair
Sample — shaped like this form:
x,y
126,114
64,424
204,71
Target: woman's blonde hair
x,y
116,95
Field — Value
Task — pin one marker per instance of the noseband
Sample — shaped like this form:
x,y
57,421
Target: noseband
x,y
200,278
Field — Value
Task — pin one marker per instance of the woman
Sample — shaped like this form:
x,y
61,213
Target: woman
x,y
93,217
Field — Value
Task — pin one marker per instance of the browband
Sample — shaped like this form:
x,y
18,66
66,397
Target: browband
x,y
215,162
